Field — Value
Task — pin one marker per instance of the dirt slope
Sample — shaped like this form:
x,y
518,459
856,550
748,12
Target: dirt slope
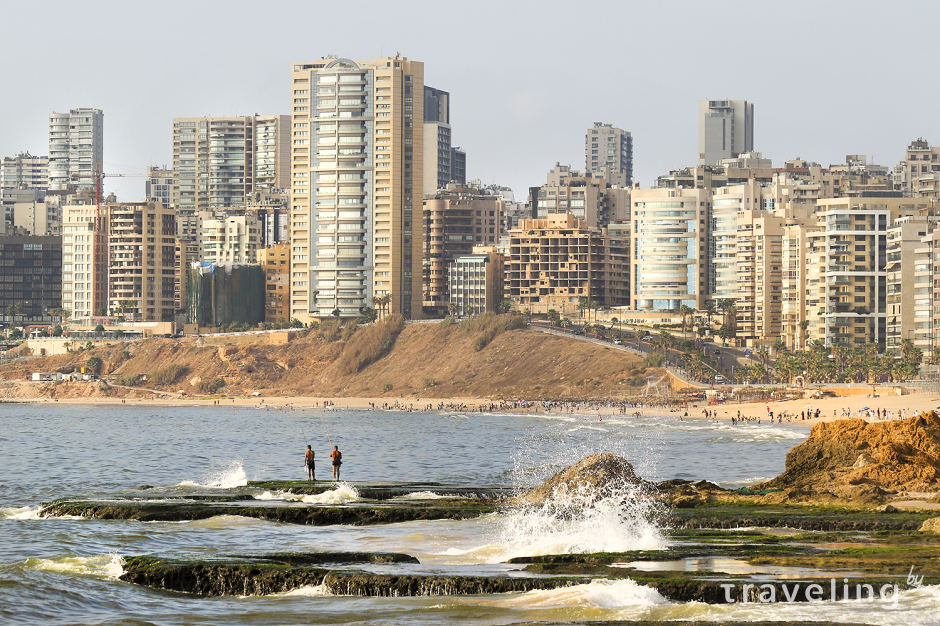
x,y
425,359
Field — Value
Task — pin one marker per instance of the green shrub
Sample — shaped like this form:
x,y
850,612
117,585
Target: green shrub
x,y
211,386
94,365
447,322
169,374
349,330
370,344
386,387
429,381
129,380
126,355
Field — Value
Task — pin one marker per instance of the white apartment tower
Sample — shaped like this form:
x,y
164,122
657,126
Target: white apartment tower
x,y
357,182
76,147
609,151
725,130
437,146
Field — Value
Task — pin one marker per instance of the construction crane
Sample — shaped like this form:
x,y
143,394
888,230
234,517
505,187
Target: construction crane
x,y
99,295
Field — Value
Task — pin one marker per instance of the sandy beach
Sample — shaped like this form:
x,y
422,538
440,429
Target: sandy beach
x,y
830,407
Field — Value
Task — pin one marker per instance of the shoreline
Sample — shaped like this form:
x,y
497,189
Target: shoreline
x,y
913,404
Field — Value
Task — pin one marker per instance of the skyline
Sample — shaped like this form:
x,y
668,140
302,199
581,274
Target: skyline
x,y
524,88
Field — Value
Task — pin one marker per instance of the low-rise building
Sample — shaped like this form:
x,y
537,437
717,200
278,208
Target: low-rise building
x,y
476,281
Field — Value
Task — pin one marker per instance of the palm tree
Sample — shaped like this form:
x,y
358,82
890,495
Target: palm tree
x,y
709,311
452,309
804,325
552,318
687,312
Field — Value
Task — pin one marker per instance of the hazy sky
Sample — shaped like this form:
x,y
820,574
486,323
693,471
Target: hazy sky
x,y
526,79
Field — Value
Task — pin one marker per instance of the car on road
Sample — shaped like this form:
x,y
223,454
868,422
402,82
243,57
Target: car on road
x,y
618,342
719,379
601,337
577,332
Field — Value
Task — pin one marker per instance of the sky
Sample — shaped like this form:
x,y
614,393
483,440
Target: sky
x,y
527,80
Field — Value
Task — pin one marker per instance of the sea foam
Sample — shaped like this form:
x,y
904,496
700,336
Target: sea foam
x,y
343,493
229,477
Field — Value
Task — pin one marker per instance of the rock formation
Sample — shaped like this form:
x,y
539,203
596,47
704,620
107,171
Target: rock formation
x,y
597,475
849,456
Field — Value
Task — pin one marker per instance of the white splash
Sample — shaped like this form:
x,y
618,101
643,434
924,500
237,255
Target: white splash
x,y
104,565
20,512
582,521
421,495
278,495
343,493
310,591
231,476
605,594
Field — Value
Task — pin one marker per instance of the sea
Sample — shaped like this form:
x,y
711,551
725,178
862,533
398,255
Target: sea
x,y
65,570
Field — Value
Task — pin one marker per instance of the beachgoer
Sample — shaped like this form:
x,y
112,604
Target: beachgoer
x,y
310,462
337,457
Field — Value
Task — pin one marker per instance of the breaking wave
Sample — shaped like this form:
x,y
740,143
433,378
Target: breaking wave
x,y
229,477
20,512
604,594
343,493
421,495
103,565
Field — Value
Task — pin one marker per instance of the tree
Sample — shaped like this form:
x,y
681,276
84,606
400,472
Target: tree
x,y
16,333
67,345
99,329
709,311
686,312
335,313
57,330
504,307
94,365
553,318
452,308
804,334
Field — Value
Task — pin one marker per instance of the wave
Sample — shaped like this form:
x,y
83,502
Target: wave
x,y
103,565
421,495
278,495
604,594
20,512
309,591
343,493
229,477
581,521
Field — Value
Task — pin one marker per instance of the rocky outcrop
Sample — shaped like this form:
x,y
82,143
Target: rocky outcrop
x,y
861,461
931,525
595,476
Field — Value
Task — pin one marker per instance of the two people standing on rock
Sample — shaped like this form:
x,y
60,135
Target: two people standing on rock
x,y
310,462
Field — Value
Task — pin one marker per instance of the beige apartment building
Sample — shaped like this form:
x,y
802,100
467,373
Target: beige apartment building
x,y
793,280
455,220
275,261
846,280
555,262
476,281
142,262
588,197
357,181
909,282
229,238
85,260
221,161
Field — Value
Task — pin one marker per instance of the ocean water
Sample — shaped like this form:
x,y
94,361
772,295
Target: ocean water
x,y
64,571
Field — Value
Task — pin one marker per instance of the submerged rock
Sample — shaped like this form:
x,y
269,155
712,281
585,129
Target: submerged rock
x,y
601,475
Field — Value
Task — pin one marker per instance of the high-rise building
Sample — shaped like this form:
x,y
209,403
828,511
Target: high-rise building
x,y
142,261
725,129
357,165
458,165
221,161
84,260
24,171
556,262
276,264
76,148
230,238
588,197
159,186
455,220
608,151
669,248
437,138
31,274
271,154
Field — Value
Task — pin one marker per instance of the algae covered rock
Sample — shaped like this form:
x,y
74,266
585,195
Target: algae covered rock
x,y
892,456
931,525
601,475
